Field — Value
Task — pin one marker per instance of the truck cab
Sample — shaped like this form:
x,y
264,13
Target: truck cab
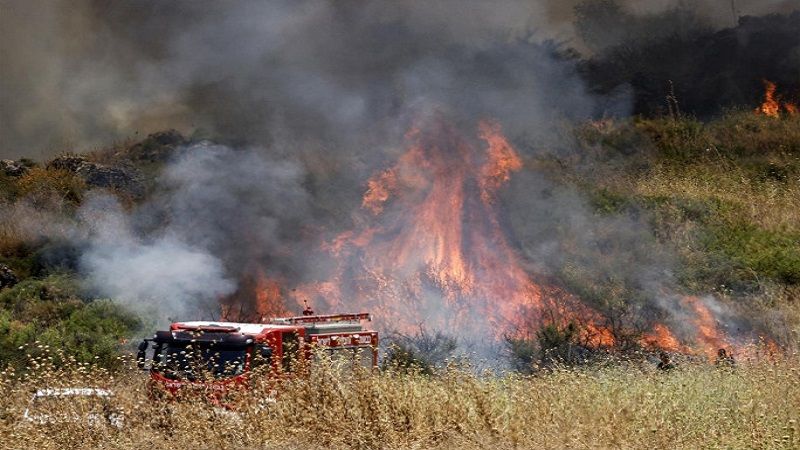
x,y
217,357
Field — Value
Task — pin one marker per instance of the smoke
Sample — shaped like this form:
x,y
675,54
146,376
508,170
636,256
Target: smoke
x,y
159,277
217,213
83,73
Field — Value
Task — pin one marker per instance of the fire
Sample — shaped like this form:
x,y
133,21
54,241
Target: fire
x,y
660,337
433,249
430,247
379,190
771,107
257,299
502,160
709,336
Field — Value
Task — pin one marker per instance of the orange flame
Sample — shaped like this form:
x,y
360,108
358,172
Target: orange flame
x,y
771,106
434,250
660,337
501,160
379,189
709,336
257,299
431,248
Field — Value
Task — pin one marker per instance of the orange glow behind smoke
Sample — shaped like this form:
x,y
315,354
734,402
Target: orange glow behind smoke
x,y
771,107
269,302
379,191
257,299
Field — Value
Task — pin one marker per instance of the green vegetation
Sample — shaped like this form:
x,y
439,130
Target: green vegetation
x,y
724,196
50,312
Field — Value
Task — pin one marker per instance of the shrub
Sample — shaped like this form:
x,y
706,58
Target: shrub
x,y
50,311
767,253
43,186
423,352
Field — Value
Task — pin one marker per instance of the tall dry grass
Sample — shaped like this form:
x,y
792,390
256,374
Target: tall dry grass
x,y
626,406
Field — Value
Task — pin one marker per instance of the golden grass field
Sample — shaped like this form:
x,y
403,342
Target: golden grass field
x,y
625,405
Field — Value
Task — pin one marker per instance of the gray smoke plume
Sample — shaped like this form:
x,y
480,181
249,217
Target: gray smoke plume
x,y
217,213
83,73
157,276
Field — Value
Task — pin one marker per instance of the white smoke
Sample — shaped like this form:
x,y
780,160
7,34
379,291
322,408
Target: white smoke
x,y
216,211
157,277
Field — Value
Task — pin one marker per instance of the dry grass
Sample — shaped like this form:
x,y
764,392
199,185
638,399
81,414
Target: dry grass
x,y
696,406
770,204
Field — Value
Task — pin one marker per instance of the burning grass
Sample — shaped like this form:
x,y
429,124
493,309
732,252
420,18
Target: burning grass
x,y
626,405
722,194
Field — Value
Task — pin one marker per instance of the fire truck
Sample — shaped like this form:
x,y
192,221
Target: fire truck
x,y
218,357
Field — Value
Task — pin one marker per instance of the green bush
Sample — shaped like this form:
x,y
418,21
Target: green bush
x,y
767,253
423,352
50,312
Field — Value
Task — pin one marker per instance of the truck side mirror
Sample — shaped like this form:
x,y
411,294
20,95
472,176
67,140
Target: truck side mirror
x,y
141,355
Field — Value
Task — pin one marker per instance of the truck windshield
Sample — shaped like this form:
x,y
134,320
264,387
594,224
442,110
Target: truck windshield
x,y
194,361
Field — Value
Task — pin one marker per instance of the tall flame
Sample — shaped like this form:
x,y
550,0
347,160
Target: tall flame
x,y
709,336
431,248
435,251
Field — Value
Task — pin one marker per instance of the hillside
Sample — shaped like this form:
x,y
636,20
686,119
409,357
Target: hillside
x,y
718,199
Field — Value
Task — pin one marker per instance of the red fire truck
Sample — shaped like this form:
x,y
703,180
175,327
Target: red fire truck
x,y
217,357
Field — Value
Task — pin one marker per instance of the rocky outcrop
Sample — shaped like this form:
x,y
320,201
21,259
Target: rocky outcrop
x,y
121,178
13,168
7,277
157,147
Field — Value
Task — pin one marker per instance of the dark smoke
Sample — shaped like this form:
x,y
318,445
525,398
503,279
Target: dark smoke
x,y
706,70
83,73
333,74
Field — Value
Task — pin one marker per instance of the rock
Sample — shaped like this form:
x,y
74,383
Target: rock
x,y
157,147
100,175
70,163
7,277
109,177
13,168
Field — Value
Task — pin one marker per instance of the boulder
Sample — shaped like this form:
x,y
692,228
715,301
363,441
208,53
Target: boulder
x,y
157,147
13,168
70,163
7,277
100,175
